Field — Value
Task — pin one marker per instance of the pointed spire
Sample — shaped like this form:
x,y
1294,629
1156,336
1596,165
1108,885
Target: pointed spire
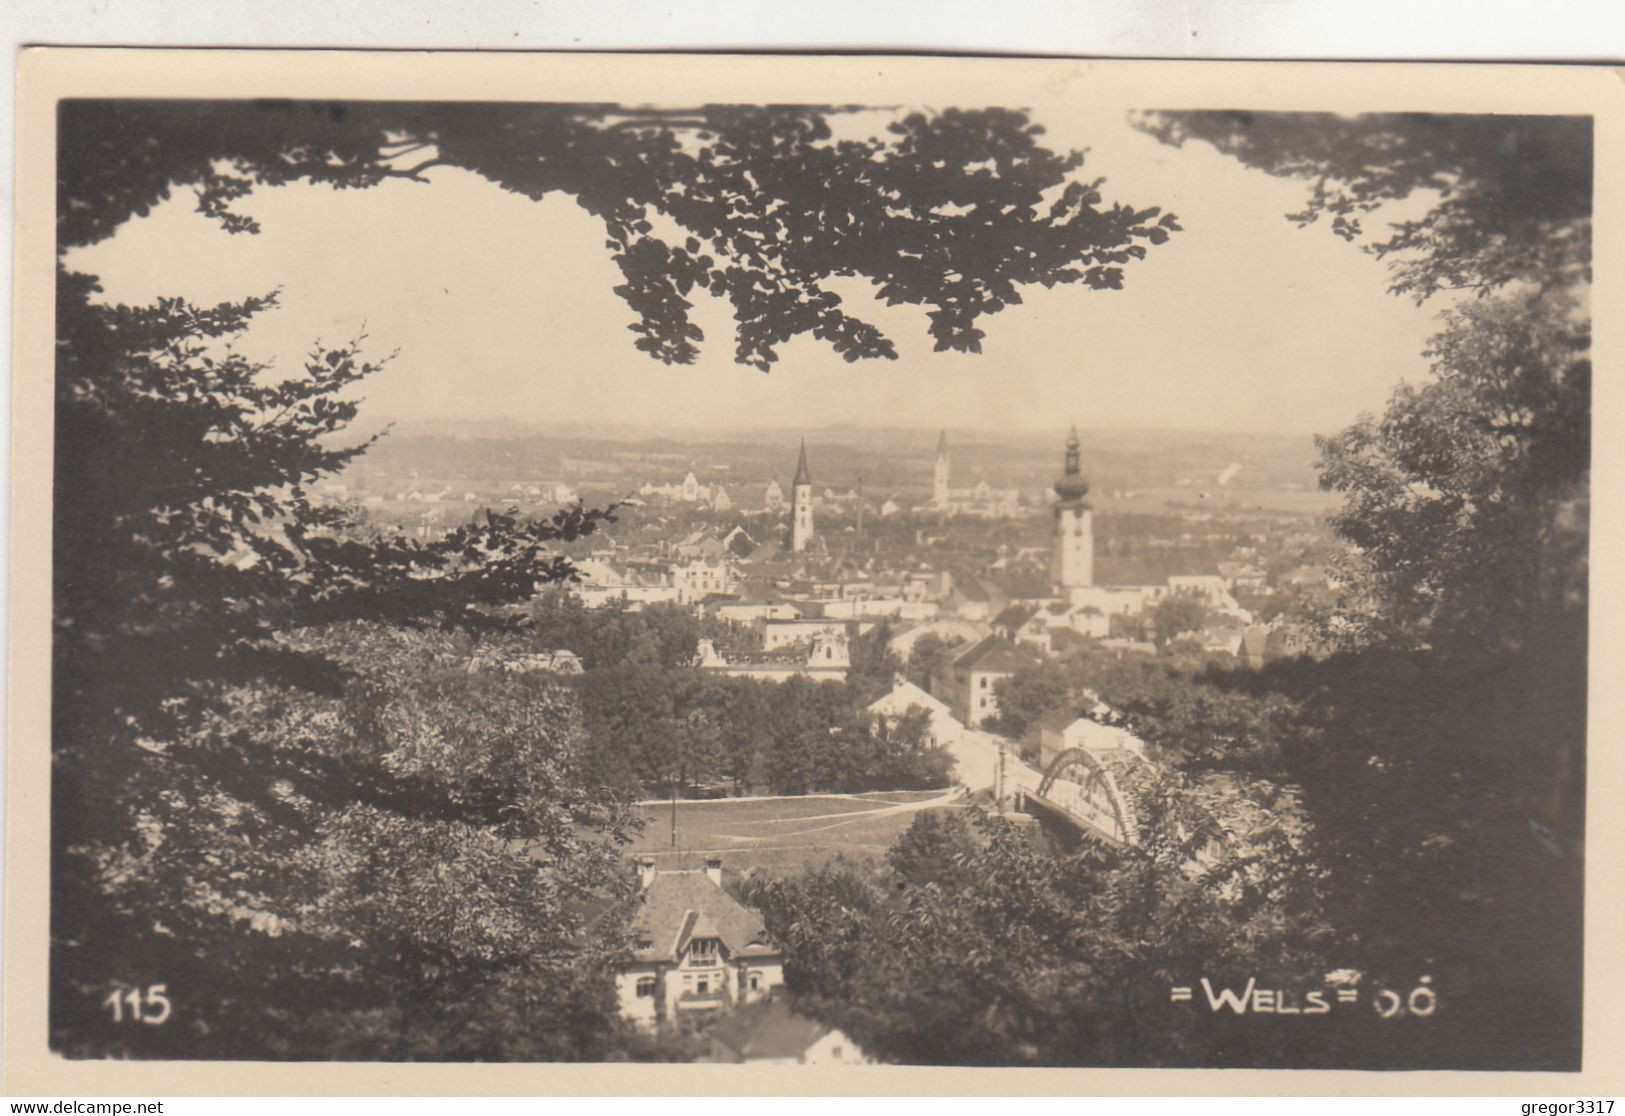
x,y
1072,438
942,444
803,475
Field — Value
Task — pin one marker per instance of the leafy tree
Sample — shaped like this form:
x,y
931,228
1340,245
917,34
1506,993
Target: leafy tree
x,y
1176,615
814,738
320,877
930,655
614,635
768,202
982,947
901,756
1511,194
636,717
1448,817
746,706
874,666
1028,694
1467,501
933,850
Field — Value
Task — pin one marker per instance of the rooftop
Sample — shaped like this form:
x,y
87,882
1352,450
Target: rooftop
x,y
681,905
769,1029
993,653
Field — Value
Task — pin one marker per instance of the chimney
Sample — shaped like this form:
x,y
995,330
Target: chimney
x,y
713,869
646,872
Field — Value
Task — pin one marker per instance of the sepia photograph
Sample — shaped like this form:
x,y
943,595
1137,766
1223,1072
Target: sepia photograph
x,y
1031,577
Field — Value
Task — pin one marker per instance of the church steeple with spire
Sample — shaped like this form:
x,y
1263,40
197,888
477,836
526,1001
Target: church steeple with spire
x,y
801,517
1072,562
939,492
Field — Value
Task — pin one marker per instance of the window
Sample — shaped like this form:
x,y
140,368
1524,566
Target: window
x,y
646,986
755,982
703,986
983,682
703,951
835,1052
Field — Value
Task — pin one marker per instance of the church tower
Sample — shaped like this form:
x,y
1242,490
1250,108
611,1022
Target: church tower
x,y
1072,564
801,522
939,495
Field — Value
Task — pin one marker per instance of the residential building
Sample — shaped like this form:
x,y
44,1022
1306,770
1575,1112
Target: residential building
x,y
967,686
748,612
784,633
1212,591
773,498
880,608
950,630
826,660
1042,629
772,1033
1062,730
945,730
702,578
696,949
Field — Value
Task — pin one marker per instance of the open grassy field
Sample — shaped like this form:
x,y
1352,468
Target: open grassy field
x,y
781,836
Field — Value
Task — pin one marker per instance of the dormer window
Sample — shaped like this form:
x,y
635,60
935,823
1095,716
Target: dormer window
x,y
703,951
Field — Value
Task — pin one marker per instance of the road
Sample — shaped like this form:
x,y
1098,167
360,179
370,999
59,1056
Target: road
x,y
976,760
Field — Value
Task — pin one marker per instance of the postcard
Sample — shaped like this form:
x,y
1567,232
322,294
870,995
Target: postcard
x,y
681,574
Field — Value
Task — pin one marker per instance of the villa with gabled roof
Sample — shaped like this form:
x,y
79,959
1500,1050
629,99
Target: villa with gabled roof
x,y
695,948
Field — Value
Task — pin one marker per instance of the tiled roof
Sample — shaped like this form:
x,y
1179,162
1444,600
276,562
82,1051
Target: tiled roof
x,y
1057,720
678,906
768,1029
906,694
1014,616
969,587
993,653
767,552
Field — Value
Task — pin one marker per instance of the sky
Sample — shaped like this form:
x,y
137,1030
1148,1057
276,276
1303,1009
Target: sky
x,y
499,308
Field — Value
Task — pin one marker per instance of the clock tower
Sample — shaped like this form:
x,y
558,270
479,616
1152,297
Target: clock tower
x,y
1072,559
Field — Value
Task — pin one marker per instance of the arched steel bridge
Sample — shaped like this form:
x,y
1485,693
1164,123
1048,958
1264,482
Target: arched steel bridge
x,y
1079,791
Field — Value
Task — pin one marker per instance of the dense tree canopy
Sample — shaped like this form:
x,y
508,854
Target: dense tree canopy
x,y
953,210
1509,196
1468,499
1443,760
404,870
981,946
